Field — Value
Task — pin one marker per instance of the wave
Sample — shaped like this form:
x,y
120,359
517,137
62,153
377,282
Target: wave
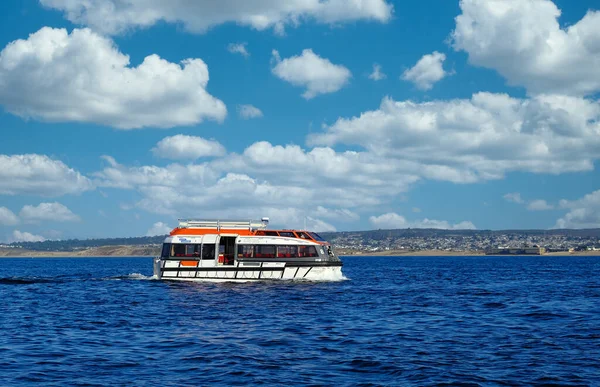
x,y
26,280
133,276
326,276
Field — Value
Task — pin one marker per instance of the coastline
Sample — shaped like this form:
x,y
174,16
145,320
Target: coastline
x,y
148,252
444,253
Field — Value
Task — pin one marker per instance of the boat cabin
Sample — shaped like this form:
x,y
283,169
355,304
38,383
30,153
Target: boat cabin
x,y
215,243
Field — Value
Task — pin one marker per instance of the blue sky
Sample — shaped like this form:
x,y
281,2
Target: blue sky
x,y
118,118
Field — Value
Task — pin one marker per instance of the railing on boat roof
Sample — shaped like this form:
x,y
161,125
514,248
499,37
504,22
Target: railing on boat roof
x,y
224,224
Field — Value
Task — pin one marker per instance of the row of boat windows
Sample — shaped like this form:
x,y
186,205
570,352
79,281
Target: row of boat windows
x,y
292,234
272,251
207,251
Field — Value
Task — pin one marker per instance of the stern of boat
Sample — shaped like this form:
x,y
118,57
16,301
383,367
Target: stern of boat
x,y
157,268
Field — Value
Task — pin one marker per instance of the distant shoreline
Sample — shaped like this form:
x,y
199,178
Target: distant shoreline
x,y
444,253
145,252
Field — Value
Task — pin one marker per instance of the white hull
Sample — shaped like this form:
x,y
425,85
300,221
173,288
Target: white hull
x,y
242,273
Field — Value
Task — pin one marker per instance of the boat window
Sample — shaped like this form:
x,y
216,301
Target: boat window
x,y
303,235
317,237
192,250
166,250
287,251
246,251
288,234
265,251
208,251
178,250
307,251
271,233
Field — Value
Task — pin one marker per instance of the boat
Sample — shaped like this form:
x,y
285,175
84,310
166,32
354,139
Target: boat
x,y
240,251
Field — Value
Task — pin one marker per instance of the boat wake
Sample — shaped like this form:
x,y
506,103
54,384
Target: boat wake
x,y
26,280
134,276
64,279
327,276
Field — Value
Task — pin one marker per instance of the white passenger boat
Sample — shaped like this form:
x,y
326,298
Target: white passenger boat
x,y
214,250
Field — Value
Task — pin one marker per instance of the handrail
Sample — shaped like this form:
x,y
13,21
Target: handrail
x,y
222,224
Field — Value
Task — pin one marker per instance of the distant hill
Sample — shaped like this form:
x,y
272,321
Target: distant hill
x,y
433,232
80,244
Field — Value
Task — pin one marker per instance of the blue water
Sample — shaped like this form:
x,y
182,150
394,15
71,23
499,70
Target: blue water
x,y
397,321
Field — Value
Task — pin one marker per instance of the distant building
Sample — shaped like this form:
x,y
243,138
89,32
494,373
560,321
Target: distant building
x,y
515,251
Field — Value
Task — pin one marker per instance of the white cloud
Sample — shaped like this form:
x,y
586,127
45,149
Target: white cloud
x,y
191,176
159,228
464,225
514,197
377,74
39,175
583,213
539,205
340,214
248,111
7,217
391,220
318,225
181,147
238,48
482,138
115,16
316,74
18,236
53,212
524,42
428,71
258,179
82,77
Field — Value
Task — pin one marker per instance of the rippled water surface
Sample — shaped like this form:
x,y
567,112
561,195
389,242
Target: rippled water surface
x,y
396,321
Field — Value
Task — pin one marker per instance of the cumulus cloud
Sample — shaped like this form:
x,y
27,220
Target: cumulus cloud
x,y
377,74
391,220
53,212
316,74
482,138
39,175
340,214
318,225
583,213
115,16
248,111
524,42
238,48
7,217
428,71
342,176
180,147
174,175
514,197
539,205
82,77
257,182
159,228
18,236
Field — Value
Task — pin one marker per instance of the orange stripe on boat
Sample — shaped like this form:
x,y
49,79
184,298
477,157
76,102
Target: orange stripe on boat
x,y
189,263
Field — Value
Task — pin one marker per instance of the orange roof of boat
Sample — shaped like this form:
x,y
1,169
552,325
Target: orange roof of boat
x,y
242,228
